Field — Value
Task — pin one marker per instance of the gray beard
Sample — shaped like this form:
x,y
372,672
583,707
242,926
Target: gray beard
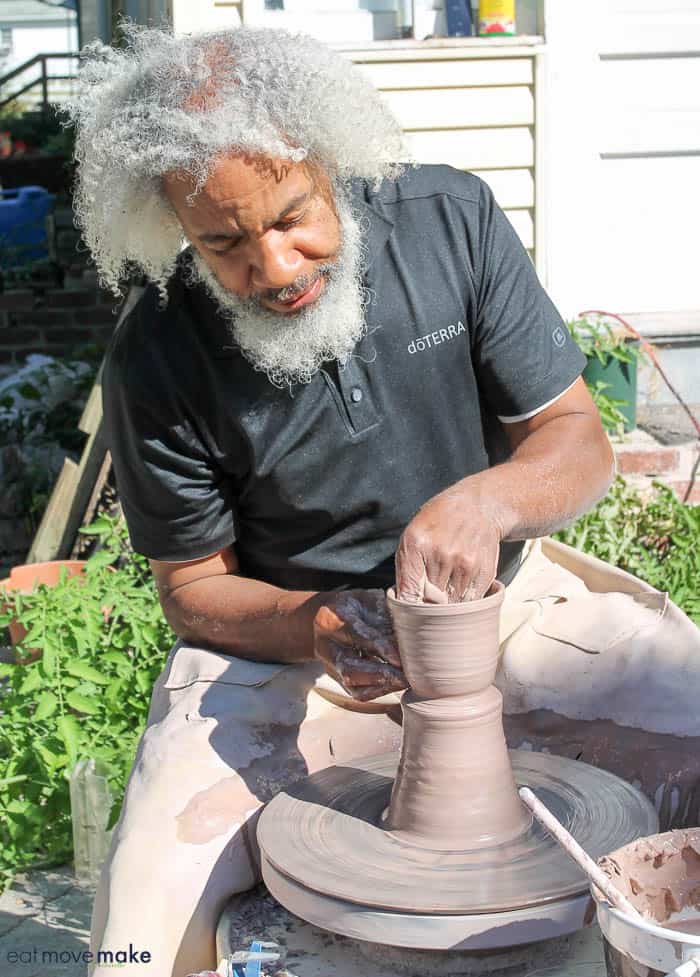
x,y
290,348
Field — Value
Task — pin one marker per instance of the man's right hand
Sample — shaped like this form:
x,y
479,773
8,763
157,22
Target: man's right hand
x,y
354,639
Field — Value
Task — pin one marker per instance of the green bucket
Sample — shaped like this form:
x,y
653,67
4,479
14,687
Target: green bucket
x,y
621,378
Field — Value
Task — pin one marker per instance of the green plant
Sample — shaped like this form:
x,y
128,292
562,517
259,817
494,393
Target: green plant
x,y
655,538
601,343
608,407
41,131
598,339
104,640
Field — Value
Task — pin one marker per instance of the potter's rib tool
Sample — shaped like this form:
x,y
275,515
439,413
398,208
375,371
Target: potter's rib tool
x,y
594,874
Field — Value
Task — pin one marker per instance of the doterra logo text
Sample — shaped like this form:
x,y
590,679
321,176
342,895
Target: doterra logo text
x,y
434,338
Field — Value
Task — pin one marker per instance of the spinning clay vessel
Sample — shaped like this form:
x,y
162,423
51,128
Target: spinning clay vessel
x,y
433,849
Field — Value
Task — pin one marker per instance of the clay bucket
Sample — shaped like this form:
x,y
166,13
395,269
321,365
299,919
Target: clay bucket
x,y
454,788
24,578
645,868
448,649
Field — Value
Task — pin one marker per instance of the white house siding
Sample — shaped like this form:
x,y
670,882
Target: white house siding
x,y
470,104
623,155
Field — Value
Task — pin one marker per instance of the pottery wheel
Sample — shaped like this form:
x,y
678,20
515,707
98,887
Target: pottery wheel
x,y
322,840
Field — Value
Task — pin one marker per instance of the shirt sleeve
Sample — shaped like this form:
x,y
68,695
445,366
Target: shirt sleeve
x,y
177,505
523,352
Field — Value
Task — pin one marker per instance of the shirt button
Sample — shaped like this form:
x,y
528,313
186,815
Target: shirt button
x,y
356,395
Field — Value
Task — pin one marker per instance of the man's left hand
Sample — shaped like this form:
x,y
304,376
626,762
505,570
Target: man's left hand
x,y
450,547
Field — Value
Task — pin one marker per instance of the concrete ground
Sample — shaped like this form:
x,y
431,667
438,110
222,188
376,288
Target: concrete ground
x,y
312,952
45,925
45,922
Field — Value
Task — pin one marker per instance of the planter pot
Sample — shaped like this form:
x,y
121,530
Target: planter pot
x,y
23,579
622,384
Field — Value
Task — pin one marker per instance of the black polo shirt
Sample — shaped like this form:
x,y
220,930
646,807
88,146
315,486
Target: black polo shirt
x,y
315,485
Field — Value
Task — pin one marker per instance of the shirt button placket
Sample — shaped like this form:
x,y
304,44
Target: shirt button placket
x,y
357,400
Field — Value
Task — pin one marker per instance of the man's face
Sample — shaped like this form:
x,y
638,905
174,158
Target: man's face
x,y
263,228
281,257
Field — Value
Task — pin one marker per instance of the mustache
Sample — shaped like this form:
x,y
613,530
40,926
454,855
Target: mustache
x,y
298,286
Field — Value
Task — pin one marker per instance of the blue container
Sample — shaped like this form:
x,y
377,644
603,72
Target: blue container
x,y
23,214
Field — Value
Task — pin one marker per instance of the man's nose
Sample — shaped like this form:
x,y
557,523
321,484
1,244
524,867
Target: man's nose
x,y
274,265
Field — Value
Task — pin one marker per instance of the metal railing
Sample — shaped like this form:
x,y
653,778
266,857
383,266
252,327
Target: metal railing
x,y
43,80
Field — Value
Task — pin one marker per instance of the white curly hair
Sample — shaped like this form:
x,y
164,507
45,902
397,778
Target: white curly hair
x,y
164,103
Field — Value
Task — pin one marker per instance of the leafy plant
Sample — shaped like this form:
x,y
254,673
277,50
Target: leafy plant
x,y
655,538
608,407
104,640
38,130
598,339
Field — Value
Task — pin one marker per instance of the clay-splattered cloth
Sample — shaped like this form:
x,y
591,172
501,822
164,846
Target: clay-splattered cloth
x,y
595,664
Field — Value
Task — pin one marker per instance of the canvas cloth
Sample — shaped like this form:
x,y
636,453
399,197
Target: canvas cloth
x,y
595,664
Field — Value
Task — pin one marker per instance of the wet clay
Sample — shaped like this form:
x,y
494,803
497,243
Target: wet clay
x,y
325,834
660,875
433,849
454,789
665,768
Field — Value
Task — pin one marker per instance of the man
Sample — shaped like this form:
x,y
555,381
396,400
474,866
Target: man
x,y
349,377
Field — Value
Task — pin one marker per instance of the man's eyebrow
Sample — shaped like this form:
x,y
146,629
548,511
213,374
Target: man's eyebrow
x,y
293,204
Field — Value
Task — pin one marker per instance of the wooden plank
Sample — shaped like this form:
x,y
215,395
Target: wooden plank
x,y
48,540
652,132
448,74
645,253
539,254
93,501
442,48
649,26
474,149
650,105
456,108
64,513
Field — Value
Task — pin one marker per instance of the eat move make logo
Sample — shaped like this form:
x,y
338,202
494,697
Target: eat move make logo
x,y
435,338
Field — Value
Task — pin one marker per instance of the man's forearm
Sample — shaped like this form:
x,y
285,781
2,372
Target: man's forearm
x,y
556,474
244,617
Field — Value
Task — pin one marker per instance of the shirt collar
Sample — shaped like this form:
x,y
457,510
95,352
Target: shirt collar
x,y
376,228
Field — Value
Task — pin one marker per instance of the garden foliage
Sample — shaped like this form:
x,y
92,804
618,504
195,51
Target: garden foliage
x,y
104,640
656,538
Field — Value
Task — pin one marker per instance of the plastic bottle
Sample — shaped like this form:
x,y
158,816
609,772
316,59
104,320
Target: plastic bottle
x,y
91,802
496,17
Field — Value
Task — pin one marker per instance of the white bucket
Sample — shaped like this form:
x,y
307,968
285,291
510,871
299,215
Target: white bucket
x,y
645,947
637,948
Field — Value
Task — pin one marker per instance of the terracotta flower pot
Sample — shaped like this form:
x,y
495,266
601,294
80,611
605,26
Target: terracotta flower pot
x,y
23,578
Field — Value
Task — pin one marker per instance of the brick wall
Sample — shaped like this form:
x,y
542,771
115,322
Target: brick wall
x,y
642,459
54,322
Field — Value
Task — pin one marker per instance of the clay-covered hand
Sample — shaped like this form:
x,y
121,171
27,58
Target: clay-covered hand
x,y
449,550
354,639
